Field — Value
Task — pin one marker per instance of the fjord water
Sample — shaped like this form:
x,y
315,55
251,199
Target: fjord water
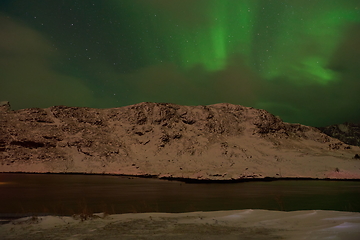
x,y
69,194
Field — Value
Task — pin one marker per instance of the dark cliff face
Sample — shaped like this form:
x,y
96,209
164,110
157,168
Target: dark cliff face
x,y
348,133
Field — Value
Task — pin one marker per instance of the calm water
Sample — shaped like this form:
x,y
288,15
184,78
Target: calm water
x,y
69,194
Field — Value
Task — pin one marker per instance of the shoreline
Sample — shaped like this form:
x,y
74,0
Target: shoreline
x,y
193,180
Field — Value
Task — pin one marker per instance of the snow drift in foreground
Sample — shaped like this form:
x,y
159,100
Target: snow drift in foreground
x,y
238,224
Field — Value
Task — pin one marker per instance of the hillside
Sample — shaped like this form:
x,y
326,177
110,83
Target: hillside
x,y
346,132
215,142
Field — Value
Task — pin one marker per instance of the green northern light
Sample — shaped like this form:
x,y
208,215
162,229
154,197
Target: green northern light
x,y
297,59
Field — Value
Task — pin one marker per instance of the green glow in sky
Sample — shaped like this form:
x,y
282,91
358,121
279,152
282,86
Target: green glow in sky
x,y
297,59
225,31
275,39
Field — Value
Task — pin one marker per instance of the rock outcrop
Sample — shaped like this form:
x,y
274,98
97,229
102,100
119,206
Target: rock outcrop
x,y
216,142
5,106
348,133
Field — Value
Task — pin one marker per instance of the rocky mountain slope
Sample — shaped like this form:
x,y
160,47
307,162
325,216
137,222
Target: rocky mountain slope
x,y
348,133
217,142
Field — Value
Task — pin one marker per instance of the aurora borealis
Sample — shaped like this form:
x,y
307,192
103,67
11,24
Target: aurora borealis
x,y
299,60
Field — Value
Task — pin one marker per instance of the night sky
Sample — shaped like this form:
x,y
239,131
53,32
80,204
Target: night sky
x,y
298,59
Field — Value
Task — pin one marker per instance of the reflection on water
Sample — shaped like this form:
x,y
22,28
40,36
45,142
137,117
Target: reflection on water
x,y
69,194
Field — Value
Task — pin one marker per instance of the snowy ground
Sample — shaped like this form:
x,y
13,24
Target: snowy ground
x,y
240,224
